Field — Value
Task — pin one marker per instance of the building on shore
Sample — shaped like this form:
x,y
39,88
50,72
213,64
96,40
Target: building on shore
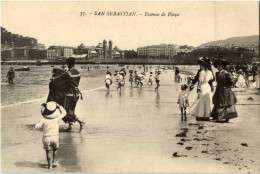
x,y
7,51
102,50
26,52
158,51
60,52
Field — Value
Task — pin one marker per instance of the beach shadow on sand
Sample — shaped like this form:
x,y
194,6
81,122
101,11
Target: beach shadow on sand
x,y
31,164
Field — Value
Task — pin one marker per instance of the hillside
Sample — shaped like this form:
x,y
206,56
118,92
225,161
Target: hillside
x,y
246,40
18,40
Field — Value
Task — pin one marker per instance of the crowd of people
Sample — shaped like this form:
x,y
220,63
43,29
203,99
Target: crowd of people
x,y
134,78
217,103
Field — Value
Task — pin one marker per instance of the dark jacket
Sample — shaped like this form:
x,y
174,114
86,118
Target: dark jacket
x,y
71,81
224,96
11,74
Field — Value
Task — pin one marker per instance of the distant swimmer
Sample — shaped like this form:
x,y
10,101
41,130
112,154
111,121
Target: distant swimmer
x,y
10,75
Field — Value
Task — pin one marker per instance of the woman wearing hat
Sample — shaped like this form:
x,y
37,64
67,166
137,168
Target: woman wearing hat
x,y
203,105
196,78
224,99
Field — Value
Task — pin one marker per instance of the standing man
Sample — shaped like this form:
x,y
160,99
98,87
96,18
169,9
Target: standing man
x,y
10,75
72,93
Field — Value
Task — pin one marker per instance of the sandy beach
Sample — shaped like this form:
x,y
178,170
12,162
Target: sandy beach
x,y
136,131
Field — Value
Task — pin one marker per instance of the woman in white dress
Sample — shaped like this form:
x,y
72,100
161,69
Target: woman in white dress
x,y
203,105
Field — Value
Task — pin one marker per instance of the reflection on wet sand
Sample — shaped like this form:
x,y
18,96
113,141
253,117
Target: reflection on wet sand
x,y
68,156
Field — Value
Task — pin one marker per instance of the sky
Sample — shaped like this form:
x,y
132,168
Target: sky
x,y
60,23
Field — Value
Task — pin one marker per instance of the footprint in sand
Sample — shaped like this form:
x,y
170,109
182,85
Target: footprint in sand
x,y
189,148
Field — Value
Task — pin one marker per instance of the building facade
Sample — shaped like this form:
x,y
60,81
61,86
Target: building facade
x,y
60,52
102,50
157,51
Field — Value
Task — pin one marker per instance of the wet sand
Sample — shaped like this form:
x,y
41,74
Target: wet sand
x,y
137,131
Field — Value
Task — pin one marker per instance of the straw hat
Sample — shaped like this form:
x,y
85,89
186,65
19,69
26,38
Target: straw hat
x,y
50,110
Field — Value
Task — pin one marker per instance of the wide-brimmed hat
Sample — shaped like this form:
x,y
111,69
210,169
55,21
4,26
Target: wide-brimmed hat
x,y
151,72
131,71
50,110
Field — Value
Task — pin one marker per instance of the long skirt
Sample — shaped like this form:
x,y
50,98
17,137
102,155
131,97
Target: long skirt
x,y
202,107
70,105
224,113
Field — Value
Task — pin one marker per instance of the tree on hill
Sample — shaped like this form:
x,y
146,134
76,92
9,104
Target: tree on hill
x,y
19,40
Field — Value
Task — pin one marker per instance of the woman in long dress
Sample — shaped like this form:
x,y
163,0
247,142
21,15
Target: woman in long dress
x,y
224,99
203,105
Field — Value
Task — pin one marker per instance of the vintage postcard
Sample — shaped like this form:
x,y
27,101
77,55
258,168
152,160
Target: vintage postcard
x,y
130,87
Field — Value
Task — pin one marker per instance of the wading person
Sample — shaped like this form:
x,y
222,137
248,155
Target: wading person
x,y
52,113
150,78
119,80
157,79
71,81
142,79
108,80
10,76
183,100
224,99
131,77
203,105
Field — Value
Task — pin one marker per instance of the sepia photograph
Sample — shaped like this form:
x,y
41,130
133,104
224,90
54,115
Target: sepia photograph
x,y
130,87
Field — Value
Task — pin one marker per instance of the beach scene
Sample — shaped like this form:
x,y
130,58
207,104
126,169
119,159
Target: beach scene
x,y
122,89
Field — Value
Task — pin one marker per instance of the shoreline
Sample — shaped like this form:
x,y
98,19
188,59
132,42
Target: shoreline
x,y
107,145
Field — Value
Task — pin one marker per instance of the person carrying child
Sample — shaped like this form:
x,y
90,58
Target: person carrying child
x,y
183,100
108,80
52,112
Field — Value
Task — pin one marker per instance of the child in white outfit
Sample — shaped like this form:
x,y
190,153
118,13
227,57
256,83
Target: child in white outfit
x,y
52,113
183,100
108,80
